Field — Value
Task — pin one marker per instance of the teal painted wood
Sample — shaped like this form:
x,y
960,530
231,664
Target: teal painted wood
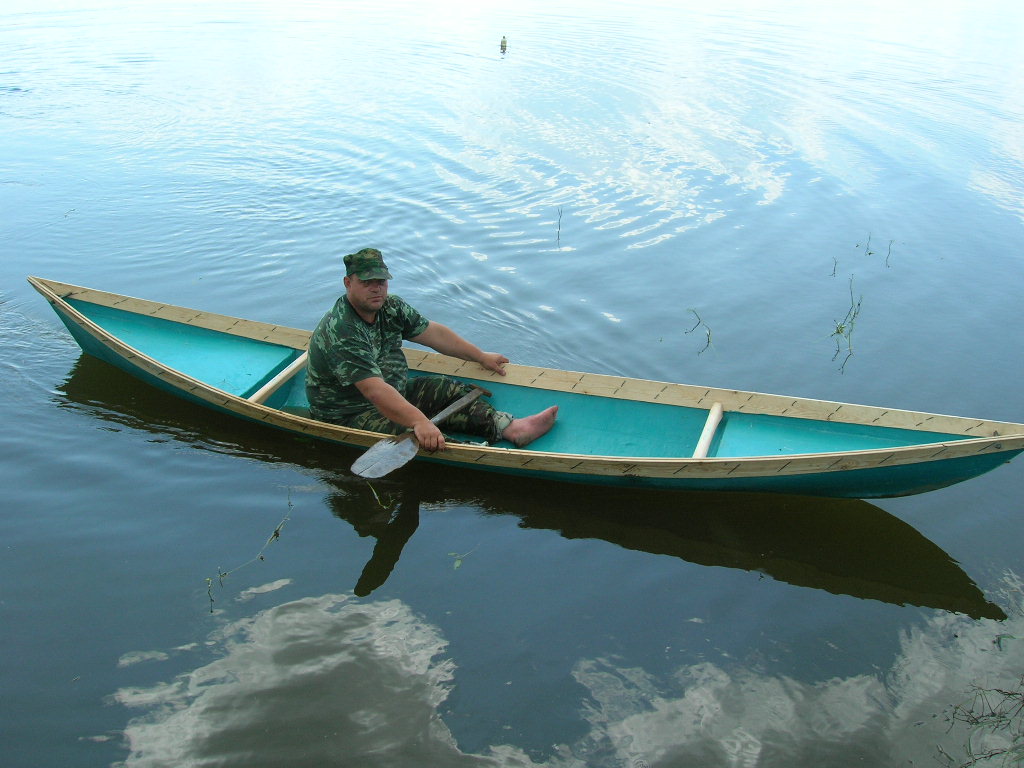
x,y
234,364
753,434
90,345
602,426
605,426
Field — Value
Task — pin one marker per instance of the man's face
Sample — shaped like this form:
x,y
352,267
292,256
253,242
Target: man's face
x,y
366,296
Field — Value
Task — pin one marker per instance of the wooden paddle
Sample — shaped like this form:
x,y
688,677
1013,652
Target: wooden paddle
x,y
394,452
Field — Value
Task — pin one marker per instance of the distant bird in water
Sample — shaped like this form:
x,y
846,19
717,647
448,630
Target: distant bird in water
x,y
504,44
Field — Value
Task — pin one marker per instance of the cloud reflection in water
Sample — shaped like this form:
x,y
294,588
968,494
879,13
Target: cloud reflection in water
x,y
708,714
319,681
332,681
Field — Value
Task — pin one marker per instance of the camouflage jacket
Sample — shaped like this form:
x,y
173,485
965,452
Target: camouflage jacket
x,y
345,349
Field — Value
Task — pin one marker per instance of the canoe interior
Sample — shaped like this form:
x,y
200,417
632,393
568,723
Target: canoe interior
x,y
234,364
604,426
588,424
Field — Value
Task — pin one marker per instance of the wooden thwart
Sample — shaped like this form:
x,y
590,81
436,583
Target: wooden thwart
x,y
275,383
708,433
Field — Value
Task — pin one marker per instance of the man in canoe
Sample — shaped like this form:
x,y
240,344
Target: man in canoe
x,y
357,375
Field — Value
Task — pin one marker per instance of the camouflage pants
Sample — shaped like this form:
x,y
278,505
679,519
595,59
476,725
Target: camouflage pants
x,y
432,394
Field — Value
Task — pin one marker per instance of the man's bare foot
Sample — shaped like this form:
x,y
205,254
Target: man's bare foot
x,y
527,429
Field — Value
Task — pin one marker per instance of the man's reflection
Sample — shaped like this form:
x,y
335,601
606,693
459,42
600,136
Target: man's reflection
x,y
390,516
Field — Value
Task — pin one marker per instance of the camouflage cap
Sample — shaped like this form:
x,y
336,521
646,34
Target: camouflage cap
x,y
367,264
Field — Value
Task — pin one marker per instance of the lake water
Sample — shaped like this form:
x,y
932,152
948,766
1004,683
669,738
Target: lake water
x,y
677,191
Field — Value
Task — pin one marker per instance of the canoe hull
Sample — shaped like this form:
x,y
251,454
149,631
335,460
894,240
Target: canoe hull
x,y
140,337
878,483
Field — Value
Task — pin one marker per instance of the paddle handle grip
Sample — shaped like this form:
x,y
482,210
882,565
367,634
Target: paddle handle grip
x,y
460,404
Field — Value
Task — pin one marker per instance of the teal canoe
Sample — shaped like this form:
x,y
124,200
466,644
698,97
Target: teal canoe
x,y
611,430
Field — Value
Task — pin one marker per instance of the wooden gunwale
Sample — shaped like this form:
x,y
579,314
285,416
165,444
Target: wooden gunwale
x,y
992,436
704,397
236,326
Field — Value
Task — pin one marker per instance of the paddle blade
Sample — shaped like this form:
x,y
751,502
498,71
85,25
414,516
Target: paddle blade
x,y
386,456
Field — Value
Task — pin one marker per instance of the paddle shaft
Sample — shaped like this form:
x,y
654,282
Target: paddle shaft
x,y
461,404
393,452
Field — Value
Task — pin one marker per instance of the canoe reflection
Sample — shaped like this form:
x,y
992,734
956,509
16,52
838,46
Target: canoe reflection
x,y
841,546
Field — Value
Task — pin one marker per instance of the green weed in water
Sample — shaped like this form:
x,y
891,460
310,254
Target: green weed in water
x,y
701,324
375,494
996,715
844,328
459,558
222,574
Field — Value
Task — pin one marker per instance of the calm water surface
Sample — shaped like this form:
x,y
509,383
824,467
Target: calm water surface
x,y
661,190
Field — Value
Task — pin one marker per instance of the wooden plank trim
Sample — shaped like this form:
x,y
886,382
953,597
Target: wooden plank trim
x,y
701,397
236,326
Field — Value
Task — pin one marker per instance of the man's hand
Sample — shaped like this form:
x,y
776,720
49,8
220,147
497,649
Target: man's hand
x,y
493,361
396,408
391,404
446,341
429,436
